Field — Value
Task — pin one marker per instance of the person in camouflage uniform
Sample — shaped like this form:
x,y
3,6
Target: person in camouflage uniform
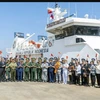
x,y
39,70
13,66
33,69
26,69
7,69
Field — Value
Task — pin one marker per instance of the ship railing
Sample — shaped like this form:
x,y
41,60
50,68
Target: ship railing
x,y
58,21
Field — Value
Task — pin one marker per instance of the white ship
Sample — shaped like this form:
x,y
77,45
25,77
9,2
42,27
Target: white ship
x,y
73,37
27,48
68,37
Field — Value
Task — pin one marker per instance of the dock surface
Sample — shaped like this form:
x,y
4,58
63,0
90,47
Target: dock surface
x,y
46,91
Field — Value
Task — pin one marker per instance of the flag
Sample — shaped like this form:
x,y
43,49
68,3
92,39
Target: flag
x,y
51,54
32,42
19,56
78,55
96,55
50,10
25,56
10,53
7,56
0,52
87,55
51,16
38,45
66,57
59,52
29,55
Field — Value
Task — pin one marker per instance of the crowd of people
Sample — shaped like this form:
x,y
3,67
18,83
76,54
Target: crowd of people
x,y
53,70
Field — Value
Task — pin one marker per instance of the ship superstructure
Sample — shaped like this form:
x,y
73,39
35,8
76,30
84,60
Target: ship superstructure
x,y
25,47
73,37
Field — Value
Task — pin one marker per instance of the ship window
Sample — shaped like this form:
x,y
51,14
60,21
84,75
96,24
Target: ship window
x,y
79,40
87,30
19,34
60,36
68,31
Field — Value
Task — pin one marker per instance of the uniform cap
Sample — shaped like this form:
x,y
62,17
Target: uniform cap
x,y
33,58
39,58
76,59
72,58
62,58
93,59
27,58
45,58
21,59
50,58
83,59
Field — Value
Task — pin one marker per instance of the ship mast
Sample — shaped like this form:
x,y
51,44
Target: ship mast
x,y
56,5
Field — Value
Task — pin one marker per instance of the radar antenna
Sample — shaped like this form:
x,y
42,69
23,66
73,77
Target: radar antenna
x,y
56,5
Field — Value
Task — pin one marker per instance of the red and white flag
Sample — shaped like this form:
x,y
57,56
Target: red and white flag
x,y
51,16
50,10
87,55
25,56
77,55
0,52
96,55
66,57
59,52
51,54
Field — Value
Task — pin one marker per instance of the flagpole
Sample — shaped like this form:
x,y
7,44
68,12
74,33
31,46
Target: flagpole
x,y
69,8
76,9
47,14
92,10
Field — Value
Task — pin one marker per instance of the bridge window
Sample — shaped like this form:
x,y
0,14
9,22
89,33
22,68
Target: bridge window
x,y
79,40
86,30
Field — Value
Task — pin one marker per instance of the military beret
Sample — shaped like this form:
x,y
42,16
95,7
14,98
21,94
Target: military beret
x,y
83,59
45,58
39,58
55,58
33,58
86,60
49,59
62,58
52,58
70,64
93,59
21,59
27,58
76,59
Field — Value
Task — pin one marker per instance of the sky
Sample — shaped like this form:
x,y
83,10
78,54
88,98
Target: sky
x,y
31,17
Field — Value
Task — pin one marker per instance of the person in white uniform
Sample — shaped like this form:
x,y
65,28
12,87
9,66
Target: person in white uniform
x,y
65,70
78,72
44,71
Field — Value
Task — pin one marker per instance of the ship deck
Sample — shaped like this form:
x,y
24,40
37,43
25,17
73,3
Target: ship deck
x,y
46,91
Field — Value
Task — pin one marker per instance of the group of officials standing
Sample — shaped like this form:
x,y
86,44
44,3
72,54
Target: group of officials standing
x,y
53,70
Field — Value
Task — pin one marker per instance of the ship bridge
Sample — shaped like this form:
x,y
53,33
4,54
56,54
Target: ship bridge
x,y
73,36
67,25
75,32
